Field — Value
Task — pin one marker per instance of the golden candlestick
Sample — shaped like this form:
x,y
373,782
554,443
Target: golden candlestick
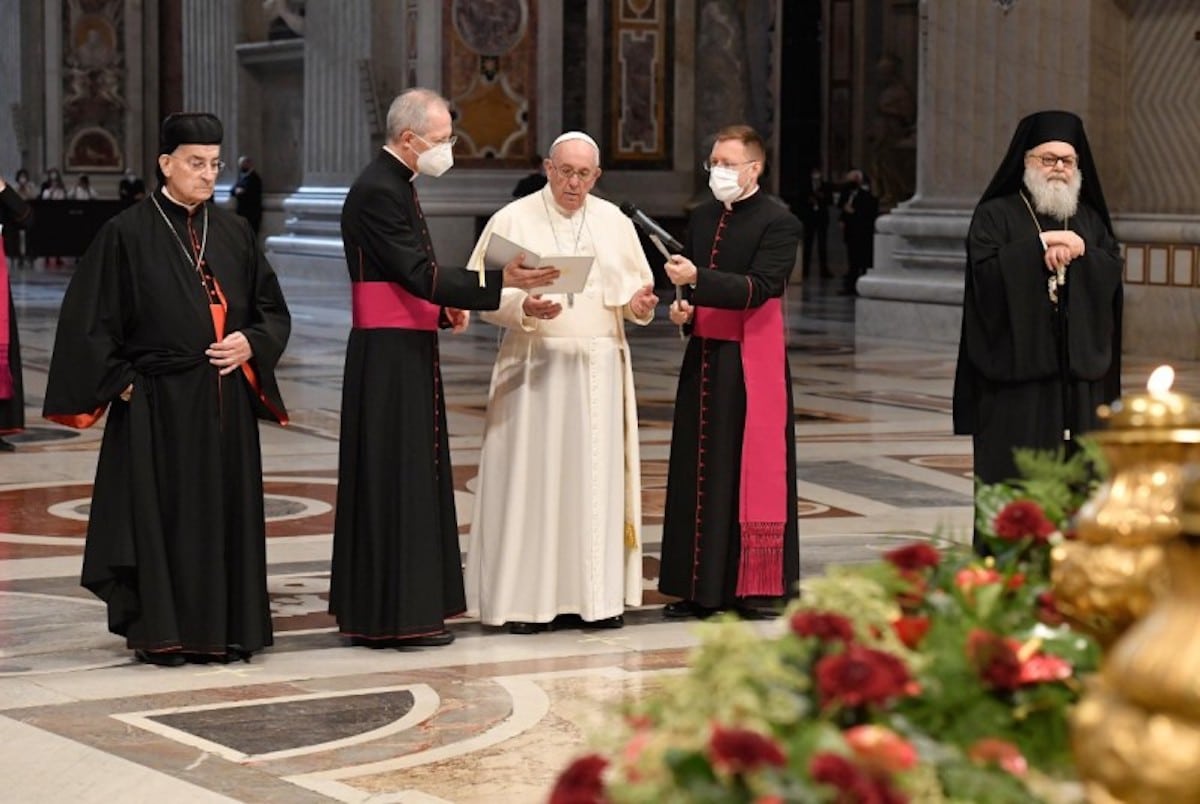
x,y
1110,576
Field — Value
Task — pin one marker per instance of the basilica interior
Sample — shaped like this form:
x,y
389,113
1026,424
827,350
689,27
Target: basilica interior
x,y
921,95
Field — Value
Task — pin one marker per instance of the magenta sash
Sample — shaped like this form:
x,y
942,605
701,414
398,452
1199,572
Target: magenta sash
x,y
386,305
764,495
6,380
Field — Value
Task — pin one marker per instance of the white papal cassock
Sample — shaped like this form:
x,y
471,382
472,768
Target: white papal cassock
x,y
557,527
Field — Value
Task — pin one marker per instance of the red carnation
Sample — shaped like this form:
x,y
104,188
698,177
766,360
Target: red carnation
x,y
740,750
822,625
995,659
911,630
580,783
859,676
1023,519
912,557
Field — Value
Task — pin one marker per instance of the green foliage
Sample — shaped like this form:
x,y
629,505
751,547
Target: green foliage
x,y
1012,695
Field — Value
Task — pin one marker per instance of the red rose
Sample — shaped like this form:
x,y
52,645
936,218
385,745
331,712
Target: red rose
x,y
911,630
822,625
1004,754
995,659
1045,667
1023,519
912,557
881,748
739,750
859,676
580,783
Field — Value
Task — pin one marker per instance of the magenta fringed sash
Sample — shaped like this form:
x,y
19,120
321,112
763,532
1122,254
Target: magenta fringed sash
x,y
764,493
6,380
386,305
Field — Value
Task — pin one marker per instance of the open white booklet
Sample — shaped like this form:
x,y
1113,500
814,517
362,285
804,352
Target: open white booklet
x,y
573,270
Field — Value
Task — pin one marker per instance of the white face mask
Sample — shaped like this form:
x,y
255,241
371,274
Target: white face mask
x,y
723,181
437,160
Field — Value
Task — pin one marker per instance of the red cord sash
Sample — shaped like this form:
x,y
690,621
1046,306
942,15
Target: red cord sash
x,y
763,497
387,305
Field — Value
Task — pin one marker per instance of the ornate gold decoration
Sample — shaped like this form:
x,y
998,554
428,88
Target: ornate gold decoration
x,y
1110,576
1136,732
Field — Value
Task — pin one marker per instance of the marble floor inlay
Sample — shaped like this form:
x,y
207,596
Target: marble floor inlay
x,y
490,718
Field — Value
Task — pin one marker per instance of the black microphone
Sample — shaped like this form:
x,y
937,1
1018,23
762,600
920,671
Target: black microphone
x,y
651,227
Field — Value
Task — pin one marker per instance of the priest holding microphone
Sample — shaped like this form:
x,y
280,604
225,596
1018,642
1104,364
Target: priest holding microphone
x,y
729,531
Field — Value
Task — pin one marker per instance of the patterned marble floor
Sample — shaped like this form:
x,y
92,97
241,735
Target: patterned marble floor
x,y
488,719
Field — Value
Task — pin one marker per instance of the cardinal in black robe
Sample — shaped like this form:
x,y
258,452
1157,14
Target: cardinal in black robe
x,y
1041,330
174,322
730,536
397,567
14,213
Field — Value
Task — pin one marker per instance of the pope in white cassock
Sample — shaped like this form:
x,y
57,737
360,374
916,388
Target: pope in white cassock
x,y
556,528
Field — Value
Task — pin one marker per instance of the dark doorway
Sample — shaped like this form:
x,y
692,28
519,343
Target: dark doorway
x,y
800,112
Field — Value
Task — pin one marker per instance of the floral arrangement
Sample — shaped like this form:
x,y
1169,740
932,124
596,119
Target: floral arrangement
x,y
935,675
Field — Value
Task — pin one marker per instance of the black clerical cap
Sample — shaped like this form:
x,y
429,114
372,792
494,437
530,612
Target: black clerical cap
x,y
189,128
1032,131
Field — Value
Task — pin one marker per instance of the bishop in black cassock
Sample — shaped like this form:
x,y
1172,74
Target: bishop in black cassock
x,y
174,322
1041,330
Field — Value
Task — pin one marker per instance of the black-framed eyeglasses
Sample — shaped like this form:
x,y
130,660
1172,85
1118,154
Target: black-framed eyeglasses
x,y
567,173
708,164
1050,160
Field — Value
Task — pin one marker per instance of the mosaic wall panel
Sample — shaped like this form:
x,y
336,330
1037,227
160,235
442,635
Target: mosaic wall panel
x,y
93,86
1162,264
638,79
490,76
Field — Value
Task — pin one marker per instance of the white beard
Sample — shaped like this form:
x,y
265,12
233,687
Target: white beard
x,y
1054,198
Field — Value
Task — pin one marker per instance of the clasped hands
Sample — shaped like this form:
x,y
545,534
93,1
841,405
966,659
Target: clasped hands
x,y
226,354
1062,246
230,352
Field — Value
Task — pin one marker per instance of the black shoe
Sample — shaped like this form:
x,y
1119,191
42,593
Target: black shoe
x,y
7,446
683,609
608,622
519,627
424,641
160,658
755,613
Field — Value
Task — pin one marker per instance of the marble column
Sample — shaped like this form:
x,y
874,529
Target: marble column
x,y
210,34
982,69
336,141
